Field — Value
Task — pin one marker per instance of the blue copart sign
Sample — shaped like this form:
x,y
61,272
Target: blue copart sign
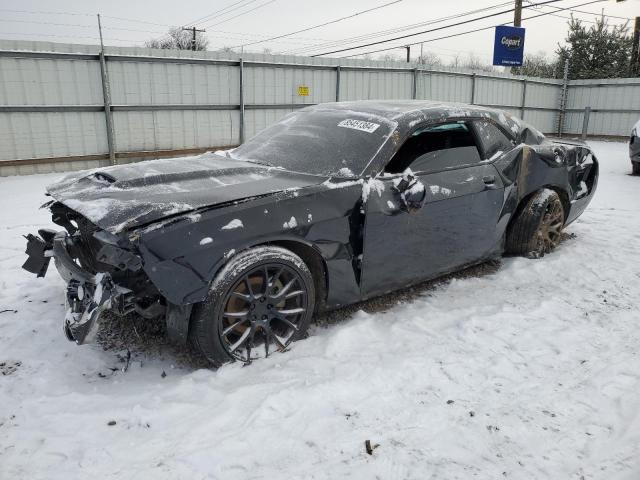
x,y
508,49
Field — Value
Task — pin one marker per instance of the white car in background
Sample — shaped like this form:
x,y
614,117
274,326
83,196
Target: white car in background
x,y
634,149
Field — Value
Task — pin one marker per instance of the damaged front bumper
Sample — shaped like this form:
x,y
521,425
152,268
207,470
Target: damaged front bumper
x,y
88,296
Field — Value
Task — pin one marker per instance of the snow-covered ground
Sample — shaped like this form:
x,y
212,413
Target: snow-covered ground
x,y
531,372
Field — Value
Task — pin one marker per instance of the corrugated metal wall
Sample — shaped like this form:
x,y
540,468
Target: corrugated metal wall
x,y
165,101
615,106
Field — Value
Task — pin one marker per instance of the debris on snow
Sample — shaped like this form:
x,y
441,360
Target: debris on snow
x,y
370,448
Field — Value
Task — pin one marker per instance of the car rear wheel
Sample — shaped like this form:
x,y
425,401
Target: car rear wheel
x,y
635,168
538,227
259,303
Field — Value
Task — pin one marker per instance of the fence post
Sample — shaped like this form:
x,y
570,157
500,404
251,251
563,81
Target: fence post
x,y
337,83
241,75
585,122
414,87
523,103
106,95
563,98
473,88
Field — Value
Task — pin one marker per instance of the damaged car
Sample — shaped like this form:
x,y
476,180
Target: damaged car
x,y
334,204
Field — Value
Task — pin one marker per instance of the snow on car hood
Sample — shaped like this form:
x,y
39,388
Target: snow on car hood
x,y
125,196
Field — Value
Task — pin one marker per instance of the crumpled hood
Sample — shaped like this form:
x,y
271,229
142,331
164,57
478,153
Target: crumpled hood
x,y
124,196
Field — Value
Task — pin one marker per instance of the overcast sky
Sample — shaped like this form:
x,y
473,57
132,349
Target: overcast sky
x,y
44,20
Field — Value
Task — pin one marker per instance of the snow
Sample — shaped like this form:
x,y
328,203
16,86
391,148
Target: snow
x,y
435,189
496,155
206,241
532,371
233,224
292,223
372,184
345,172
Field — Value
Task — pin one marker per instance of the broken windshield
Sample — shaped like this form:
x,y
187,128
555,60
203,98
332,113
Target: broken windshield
x,y
319,142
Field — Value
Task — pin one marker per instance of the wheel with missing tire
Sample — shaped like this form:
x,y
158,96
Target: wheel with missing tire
x,y
538,227
259,303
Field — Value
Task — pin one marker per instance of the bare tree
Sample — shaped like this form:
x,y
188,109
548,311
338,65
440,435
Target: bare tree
x,y
473,62
430,58
537,65
178,39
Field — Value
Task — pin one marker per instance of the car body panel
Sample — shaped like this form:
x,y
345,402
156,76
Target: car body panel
x,y
457,223
125,196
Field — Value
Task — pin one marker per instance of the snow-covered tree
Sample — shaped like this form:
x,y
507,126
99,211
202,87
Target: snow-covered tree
x,y
178,39
598,51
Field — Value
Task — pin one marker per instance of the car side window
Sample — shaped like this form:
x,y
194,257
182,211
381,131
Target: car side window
x,y
492,140
436,148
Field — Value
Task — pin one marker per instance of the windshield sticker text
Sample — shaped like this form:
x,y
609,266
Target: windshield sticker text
x,y
361,125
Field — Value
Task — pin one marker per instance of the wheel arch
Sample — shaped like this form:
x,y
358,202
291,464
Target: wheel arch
x,y
310,255
314,261
562,193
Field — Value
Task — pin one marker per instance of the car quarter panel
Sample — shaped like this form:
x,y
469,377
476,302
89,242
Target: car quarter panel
x,y
181,257
570,169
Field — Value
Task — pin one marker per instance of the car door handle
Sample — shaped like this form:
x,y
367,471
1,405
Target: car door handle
x,y
489,179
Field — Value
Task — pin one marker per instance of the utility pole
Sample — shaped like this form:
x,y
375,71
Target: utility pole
x,y
517,14
635,59
193,38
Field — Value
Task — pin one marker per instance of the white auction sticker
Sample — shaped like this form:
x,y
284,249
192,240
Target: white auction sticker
x,y
359,125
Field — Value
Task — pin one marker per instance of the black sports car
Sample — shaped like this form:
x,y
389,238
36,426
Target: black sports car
x,y
333,204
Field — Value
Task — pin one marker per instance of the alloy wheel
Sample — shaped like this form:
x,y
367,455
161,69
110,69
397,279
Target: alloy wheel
x,y
262,311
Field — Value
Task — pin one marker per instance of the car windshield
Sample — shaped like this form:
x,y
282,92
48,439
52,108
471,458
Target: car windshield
x,y
319,142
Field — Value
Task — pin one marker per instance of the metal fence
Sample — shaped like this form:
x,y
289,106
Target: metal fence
x,y
66,106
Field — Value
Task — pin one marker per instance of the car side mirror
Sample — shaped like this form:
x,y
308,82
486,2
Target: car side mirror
x,y
411,191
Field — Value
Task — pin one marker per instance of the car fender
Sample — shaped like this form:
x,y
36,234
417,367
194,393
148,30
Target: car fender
x,y
181,257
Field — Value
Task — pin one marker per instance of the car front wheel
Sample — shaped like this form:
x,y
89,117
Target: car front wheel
x,y
538,227
259,303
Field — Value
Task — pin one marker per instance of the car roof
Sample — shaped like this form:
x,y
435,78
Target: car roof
x,y
407,113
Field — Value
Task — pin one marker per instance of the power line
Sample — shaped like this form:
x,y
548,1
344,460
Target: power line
x,y
229,10
466,32
139,21
240,14
44,12
582,11
433,30
402,28
330,22
63,36
583,20
208,16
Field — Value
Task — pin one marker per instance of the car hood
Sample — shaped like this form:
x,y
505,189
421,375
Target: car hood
x,y
125,196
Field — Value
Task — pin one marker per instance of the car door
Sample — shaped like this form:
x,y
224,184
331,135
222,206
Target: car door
x,y
457,223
